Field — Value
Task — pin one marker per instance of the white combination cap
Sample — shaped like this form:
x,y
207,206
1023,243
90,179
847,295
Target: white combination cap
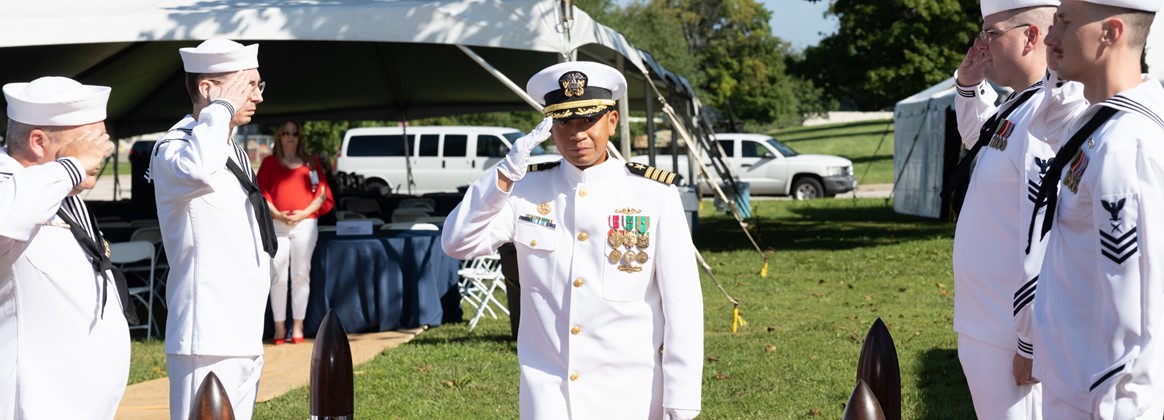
x,y
1143,5
576,89
219,56
990,7
56,101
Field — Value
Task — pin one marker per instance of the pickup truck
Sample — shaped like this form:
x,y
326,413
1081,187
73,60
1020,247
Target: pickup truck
x,y
772,168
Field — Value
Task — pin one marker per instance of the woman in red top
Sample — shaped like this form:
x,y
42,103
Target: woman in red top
x,y
297,192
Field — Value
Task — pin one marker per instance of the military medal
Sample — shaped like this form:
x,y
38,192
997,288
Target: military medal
x,y
641,258
629,256
629,239
644,241
615,255
615,238
544,208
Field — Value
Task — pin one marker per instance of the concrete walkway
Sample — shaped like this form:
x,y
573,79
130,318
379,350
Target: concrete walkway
x,y
285,368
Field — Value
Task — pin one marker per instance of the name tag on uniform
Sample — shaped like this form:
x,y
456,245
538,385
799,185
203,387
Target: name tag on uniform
x,y
353,227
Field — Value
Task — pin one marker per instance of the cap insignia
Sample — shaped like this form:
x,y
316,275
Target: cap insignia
x,y
573,83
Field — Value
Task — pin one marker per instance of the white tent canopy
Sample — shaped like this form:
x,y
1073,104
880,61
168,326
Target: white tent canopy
x,y
367,59
919,150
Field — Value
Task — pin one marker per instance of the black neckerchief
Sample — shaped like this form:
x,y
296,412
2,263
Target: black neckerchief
x,y
101,263
1049,190
258,207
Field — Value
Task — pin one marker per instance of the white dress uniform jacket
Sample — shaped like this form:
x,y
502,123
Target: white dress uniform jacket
x,y
595,341
989,262
61,357
219,275
1100,301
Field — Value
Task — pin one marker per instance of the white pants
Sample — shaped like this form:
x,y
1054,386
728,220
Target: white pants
x,y
296,244
239,376
989,371
1055,408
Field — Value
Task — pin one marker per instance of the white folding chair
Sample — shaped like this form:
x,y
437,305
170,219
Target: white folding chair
x,y
436,220
153,234
366,206
348,214
480,279
124,254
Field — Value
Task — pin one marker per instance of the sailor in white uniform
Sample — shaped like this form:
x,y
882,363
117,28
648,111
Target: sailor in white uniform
x,y
219,242
1099,306
1012,156
612,312
64,341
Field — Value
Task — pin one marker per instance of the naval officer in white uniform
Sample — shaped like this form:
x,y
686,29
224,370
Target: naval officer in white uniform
x,y
612,312
218,239
1099,307
64,341
1012,156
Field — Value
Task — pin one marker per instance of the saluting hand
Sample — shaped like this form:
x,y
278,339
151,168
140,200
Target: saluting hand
x,y
90,149
514,165
972,71
234,88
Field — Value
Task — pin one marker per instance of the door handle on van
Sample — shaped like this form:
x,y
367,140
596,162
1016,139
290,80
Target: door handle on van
x,y
442,164
474,163
745,165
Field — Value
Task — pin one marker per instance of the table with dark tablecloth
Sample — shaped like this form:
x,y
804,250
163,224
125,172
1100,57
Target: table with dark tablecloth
x,y
381,282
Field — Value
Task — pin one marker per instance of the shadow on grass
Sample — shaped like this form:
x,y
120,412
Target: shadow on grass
x,y
944,392
798,139
855,124
835,226
867,159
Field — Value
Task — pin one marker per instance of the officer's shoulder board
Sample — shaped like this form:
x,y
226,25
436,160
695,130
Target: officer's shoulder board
x,y
534,167
653,173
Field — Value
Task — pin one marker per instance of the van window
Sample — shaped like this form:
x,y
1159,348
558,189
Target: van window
x,y
429,145
729,148
752,149
456,145
490,146
377,145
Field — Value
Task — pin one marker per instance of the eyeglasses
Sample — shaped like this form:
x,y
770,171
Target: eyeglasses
x,y
987,35
261,86
291,133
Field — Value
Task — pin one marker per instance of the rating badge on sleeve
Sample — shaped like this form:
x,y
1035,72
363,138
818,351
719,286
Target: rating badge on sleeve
x,y
629,239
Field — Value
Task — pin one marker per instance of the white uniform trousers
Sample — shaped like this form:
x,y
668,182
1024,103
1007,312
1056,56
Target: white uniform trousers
x,y
239,376
296,244
1056,408
989,371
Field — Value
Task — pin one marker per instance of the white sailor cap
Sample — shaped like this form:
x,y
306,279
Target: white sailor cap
x,y
990,7
220,56
576,89
1142,5
56,101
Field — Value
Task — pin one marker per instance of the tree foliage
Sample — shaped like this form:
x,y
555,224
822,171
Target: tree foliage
x,y
886,50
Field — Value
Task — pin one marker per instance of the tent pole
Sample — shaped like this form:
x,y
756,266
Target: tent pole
x,y
501,77
623,112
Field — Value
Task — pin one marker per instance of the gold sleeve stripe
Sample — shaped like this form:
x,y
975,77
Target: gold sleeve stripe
x,y
670,178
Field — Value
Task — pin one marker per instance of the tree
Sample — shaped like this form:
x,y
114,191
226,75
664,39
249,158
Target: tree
x,y
886,50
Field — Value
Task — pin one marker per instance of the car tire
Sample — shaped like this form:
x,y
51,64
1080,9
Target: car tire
x,y
375,185
807,188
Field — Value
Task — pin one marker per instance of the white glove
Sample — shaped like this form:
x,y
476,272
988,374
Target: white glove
x,y
515,163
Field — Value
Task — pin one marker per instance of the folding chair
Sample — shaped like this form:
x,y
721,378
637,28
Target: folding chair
x,y
123,255
408,215
154,236
366,206
480,279
424,203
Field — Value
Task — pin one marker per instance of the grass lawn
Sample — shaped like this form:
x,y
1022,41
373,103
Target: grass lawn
x,y
836,266
856,141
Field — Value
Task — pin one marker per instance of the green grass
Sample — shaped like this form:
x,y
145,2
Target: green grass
x,y
835,267
856,141
123,168
149,360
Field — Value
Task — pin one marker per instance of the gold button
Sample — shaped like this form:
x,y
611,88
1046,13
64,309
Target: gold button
x,y
576,330
578,282
574,376
582,192
533,242
583,236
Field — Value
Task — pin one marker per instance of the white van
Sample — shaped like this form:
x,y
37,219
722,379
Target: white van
x,y
442,158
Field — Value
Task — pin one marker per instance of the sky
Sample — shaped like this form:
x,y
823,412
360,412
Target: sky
x,y
800,22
